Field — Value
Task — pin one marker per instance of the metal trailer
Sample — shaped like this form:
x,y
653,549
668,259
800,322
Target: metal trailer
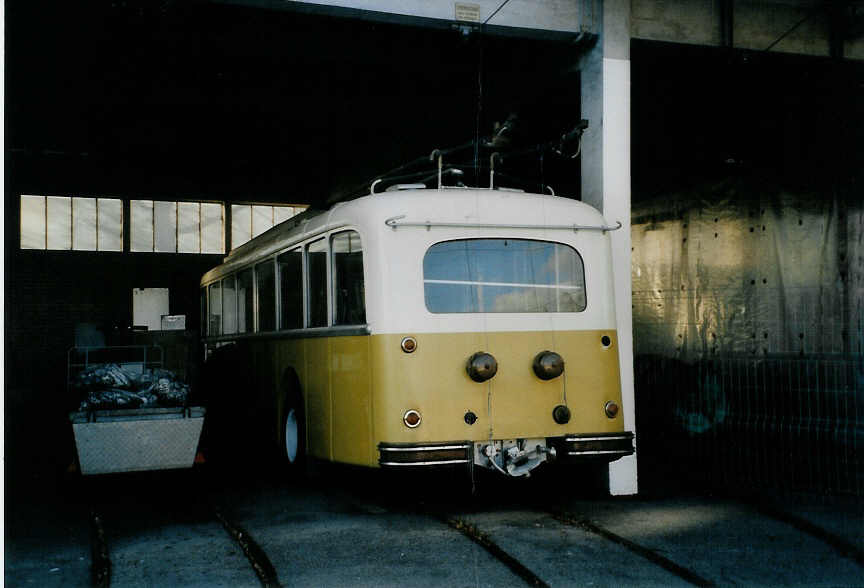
x,y
128,440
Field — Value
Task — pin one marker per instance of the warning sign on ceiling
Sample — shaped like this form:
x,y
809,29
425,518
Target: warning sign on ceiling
x,y
467,12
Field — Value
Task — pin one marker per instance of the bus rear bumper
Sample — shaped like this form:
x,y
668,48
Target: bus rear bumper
x,y
510,456
424,454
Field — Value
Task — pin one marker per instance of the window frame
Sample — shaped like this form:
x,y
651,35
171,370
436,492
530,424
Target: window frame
x,y
256,303
583,286
303,247
333,285
303,302
72,203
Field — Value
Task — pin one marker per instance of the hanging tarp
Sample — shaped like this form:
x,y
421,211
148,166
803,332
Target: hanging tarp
x,y
747,317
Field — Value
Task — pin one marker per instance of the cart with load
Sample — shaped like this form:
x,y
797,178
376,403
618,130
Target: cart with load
x,y
133,415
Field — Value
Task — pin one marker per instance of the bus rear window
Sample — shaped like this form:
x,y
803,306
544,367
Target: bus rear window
x,y
503,275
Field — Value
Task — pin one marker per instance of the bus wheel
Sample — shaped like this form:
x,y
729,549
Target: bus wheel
x,y
291,436
292,429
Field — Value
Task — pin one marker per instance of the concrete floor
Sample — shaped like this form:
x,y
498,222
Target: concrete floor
x,y
350,528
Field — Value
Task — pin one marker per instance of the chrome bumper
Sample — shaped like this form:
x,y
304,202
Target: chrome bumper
x,y
426,454
597,446
570,448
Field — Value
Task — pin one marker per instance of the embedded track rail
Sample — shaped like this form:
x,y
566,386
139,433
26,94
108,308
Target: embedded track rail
x,y
101,566
488,528
478,536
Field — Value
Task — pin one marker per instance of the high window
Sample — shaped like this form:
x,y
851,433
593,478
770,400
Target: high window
x,y
250,220
63,222
503,275
176,227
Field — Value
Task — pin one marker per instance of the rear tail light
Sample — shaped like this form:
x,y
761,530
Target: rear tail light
x,y
611,409
411,418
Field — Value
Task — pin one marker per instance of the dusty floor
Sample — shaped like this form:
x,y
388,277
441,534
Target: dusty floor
x,y
350,528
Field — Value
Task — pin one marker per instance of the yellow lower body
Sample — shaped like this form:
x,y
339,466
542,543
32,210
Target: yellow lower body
x,y
357,388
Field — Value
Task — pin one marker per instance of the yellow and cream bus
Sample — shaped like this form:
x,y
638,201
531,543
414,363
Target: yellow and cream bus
x,y
424,327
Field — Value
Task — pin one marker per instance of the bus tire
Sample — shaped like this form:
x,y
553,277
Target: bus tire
x,y
292,429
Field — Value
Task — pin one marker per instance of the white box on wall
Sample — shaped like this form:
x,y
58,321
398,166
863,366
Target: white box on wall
x,y
149,305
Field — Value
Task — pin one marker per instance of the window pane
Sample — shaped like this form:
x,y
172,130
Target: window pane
x,y
348,279
141,212
317,264
211,228
60,222
503,275
229,306
262,219
165,226
214,327
283,213
188,235
241,224
265,276
110,224
291,289
32,222
84,224
245,317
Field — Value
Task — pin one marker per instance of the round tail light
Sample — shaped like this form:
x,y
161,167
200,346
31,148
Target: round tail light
x,y
481,366
411,418
548,365
611,409
409,344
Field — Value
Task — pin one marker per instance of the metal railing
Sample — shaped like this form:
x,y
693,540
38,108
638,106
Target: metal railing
x,y
792,423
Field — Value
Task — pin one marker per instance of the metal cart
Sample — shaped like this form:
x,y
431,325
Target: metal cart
x,y
128,440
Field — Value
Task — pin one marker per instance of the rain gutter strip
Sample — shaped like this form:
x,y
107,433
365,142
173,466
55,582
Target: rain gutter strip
x,y
653,557
257,558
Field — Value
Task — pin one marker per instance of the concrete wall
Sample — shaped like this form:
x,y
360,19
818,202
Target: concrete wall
x,y
804,25
550,15
799,27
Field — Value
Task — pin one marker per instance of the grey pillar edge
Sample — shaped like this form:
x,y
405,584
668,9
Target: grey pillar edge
x,y
605,88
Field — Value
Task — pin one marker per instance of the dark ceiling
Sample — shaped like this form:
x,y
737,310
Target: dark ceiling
x,y
195,99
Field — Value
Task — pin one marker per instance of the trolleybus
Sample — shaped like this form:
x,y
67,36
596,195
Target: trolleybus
x,y
424,327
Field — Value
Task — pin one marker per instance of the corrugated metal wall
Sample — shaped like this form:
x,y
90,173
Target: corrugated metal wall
x,y
748,312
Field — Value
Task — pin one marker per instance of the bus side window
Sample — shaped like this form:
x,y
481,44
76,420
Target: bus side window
x,y
291,289
265,278
348,286
245,316
316,262
229,306
214,324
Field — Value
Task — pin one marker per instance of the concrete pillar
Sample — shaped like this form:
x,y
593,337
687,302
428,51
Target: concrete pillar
x,y
605,87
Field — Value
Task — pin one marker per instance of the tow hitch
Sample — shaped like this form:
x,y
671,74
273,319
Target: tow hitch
x,y
512,457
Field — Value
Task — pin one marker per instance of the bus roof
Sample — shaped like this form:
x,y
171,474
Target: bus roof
x,y
442,205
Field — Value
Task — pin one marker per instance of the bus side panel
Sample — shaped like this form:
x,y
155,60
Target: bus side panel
x,y
316,387
267,385
290,354
350,393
